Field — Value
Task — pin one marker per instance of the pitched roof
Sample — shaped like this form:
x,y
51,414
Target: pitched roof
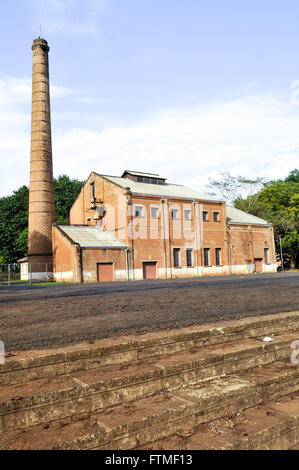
x,y
88,236
171,190
235,216
140,173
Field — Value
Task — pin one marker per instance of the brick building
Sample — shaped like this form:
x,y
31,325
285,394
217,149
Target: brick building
x,y
138,226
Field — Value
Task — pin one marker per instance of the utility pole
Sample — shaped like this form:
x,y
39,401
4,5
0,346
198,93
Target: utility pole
x,y
281,257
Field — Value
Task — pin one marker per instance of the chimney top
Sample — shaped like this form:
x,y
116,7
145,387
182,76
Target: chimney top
x,y
42,43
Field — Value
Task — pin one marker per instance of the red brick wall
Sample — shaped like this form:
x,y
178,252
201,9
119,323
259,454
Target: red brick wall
x,y
153,241
107,193
214,233
77,215
66,257
179,233
248,242
92,256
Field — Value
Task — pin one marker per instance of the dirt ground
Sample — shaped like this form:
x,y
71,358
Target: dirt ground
x,y
52,316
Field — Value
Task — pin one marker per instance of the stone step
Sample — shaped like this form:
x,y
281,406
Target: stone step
x,y
45,400
294,447
26,366
177,416
273,425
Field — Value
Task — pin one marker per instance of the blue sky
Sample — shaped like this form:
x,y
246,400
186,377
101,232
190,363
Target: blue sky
x,y
185,88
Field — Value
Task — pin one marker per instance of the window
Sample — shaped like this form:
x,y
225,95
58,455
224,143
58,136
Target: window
x,y
138,211
205,216
174,213
218,256
187,214
92,191
176,257
207,256
154,212
189,257
216,216
266,255
148,180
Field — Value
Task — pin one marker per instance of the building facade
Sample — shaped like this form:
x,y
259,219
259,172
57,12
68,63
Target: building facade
x,y
132,227
138,226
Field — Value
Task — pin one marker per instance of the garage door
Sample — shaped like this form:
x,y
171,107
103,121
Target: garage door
x,y
105,272
150,270
258,265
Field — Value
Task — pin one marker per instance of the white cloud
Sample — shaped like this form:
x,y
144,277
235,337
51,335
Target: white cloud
x,y
18,90
251,136
14,90
15,108
254,135
69,17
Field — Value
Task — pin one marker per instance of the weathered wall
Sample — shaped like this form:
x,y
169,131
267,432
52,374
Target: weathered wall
x,y
77,212
214,236
41,191
154,239
66,258
247,242
92,256
106,193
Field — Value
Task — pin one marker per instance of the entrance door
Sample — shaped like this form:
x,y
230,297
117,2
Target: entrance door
x,y
258,265
105,272
150,270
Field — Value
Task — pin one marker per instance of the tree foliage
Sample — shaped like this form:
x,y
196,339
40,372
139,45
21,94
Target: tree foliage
x,y
275,201
234,188
282,198
13,225
65,193
290,244
14,216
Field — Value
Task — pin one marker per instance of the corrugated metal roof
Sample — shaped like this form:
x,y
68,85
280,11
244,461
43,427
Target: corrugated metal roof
x,y
236,216
92,237
170,190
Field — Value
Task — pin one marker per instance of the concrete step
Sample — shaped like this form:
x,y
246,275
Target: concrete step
x,y
44,400
24,366
274,425
249,401
294,447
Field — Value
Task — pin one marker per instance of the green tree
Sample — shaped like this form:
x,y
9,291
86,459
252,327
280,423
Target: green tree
x,y
293,176
66,191
255,207
278,203
290,244
13,221
282,197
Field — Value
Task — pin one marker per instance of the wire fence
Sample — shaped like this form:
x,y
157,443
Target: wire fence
x,y
30,273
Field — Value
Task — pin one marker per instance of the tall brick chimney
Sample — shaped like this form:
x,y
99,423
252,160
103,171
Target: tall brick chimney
x,y
41,191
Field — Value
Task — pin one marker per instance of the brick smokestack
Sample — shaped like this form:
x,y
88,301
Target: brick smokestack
x,y
41,191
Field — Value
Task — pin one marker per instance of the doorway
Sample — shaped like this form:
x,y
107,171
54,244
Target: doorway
x,y
258,265
150,270
105,272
